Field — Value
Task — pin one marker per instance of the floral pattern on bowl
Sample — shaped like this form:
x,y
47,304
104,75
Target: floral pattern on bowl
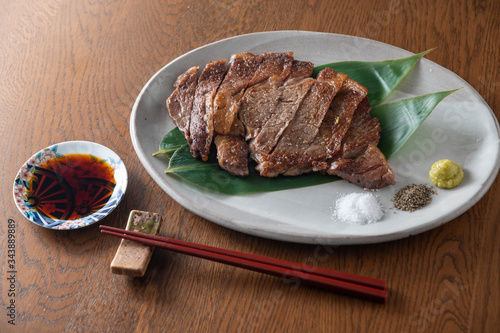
x,y
23,179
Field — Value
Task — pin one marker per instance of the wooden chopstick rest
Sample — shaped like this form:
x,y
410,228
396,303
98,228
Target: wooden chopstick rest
x,y
133,258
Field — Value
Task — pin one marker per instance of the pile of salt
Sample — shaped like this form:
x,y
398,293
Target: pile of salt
x,y
358,208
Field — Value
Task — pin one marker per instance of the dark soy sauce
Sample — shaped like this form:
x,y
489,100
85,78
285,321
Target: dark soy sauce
x,y
71,186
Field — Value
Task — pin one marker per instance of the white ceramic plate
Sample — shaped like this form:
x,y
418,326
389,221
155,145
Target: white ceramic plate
x,y
461,128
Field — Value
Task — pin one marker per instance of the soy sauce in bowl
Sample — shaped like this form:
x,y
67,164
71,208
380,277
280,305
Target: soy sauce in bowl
x,y
70,185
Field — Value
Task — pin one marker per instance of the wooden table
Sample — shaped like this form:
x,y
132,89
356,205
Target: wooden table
x,y
71,70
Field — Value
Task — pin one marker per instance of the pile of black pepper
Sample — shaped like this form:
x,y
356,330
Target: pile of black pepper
x,y
413,197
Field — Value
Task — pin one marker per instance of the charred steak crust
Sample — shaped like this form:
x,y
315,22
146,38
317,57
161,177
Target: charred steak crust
x,y
269,108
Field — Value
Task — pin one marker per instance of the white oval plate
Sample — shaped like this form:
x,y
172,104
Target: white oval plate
x,y
461,128
22,183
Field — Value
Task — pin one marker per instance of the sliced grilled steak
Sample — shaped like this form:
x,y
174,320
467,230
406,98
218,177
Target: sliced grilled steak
x,y
332,130
227,100
304,126
263,91
180,103
344,105
295,124
368,170
202,123
274,67
364,130
300,70
257,105
291,98
276,120
359,160
232,154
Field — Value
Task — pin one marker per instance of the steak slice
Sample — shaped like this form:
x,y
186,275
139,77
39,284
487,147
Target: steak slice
x,y
263,91
180,103
304,126
227,100
364,130
232,154
300,70
257,105
293,92
368,170
344,105
274,67
291,98
332,130
202,123
359,160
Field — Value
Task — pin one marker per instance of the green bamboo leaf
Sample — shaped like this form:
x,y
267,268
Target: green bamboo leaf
x,y
210,176
379,77
399,119
182,159
171,142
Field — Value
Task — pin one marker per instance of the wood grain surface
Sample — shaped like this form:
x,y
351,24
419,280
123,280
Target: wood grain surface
x,y
72,69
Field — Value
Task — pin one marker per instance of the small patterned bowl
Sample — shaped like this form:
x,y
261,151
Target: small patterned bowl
x,y
52,201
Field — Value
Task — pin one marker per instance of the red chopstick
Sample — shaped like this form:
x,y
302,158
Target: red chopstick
x,y
357,279
354,285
